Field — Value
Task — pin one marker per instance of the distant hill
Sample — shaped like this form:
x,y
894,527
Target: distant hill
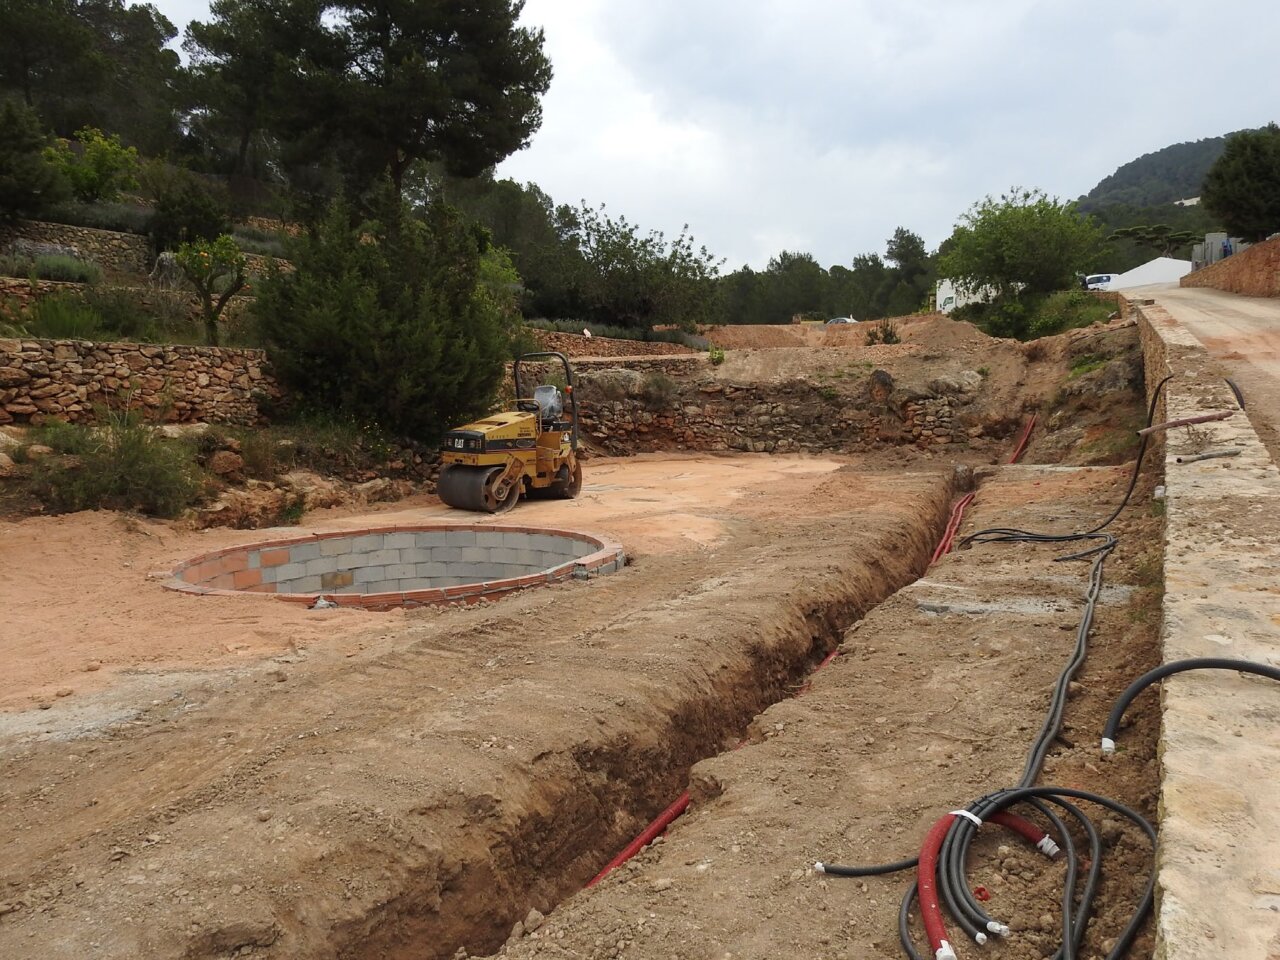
x,y
1174,173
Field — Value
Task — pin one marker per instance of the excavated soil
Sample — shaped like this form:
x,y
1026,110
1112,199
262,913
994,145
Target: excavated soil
x,y
933,702
414,788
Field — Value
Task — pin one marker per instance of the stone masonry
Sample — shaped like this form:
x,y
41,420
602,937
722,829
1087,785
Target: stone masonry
x,y
1254,272
65,379
116,253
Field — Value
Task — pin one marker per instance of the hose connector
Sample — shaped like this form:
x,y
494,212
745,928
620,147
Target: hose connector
x,y
1108,746
1048,847
819,867
998,928
944,952
980,938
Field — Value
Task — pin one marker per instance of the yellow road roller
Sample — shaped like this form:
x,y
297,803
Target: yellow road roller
x,y
529,450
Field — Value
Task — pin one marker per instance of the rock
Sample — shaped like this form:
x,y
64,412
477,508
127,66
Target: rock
x,y
38,450
534,920
176,431
225,463
7,466
264,815
64,692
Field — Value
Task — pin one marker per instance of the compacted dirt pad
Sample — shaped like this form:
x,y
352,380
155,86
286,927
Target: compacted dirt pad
x,y
418,791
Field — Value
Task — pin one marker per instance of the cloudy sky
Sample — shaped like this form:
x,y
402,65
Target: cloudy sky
x,y
820,126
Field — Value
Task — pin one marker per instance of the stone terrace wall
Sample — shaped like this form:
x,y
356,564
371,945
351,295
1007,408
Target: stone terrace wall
x,y
1217,884
1254,272
576,345
114,252
63,379
655,414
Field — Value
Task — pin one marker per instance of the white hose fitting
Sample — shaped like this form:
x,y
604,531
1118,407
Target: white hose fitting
x,y
998,928
944,952
1108,746
980,939
1048,847
819,867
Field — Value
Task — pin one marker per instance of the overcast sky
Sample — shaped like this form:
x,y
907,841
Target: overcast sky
x,y
821,126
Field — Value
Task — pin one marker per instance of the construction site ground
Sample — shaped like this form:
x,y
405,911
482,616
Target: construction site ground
x,y
206,777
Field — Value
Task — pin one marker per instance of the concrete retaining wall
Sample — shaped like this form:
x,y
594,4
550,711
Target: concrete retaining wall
x,y
1219,859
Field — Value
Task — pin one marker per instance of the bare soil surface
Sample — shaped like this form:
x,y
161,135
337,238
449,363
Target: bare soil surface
x,y
740,336
933,702
406,786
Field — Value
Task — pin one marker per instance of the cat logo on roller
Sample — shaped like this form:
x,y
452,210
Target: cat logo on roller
x,y
530,450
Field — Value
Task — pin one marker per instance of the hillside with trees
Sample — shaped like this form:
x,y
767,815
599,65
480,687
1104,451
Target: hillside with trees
x,y
1172,173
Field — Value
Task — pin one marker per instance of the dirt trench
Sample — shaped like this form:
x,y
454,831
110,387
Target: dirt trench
x,y
422,795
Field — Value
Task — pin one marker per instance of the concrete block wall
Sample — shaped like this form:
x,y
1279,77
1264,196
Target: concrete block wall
x,y
439,563
1218,890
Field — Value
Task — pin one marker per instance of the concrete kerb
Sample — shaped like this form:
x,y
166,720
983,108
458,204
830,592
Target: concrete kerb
x,y
400,565
1219,859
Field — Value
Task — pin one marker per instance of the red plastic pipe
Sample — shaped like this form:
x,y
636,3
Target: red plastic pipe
x,y
953,527
651,833
927,879
1021,448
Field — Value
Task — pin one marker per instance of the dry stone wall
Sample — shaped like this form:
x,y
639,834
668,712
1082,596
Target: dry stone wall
x,y
576,345
118,253
625,411
65,379
1254,272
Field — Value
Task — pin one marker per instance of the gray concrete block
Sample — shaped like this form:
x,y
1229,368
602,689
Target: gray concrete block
x,y
516,541
383,557
370,574
255,559
290,571
431,570
447,554
504,555
399,571
270,574
302,552
417,583
415,555
460,538
368,543
489,539
475,554
547,543
401,541
303,585
335,546
321,565
383,586
352,560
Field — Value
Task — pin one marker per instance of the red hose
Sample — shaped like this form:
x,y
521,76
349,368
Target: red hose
x,y
651,833
926,878
1022,441
1019,825
953,527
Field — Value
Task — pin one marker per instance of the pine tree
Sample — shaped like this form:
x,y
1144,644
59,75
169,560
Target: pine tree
x,y
1243,187
28,181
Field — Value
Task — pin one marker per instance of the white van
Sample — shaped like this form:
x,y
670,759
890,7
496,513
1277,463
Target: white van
x,y
1100,281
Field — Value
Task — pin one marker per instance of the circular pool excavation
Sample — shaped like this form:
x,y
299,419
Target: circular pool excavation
x,y
402,565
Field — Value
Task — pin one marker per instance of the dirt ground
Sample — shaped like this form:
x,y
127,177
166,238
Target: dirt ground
x,y
207,777
932,703
748,336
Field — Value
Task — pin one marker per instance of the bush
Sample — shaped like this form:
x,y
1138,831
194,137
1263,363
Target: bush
x,y
188,210
99,169
64,316
386,323
886,331
259,242
50,267
658,390
29,181
120,217
122,465
716,356
150,316
1068,310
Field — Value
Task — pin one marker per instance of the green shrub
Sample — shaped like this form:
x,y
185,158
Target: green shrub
x,y
716,356
271,247
99,169
122,465
1068,310
188,209
119,217
29,181
64,316
886,331
50,267
658,390
386,323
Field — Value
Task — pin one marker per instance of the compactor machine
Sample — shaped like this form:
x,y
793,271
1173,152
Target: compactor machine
x,y
529,450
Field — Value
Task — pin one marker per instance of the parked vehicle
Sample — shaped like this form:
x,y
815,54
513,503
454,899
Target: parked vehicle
x,y
1099,281
841,320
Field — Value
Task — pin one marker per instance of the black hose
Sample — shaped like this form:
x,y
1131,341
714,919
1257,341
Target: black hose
x,y
1168,669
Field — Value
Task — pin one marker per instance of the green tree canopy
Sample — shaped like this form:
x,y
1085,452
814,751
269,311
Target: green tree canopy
x,y
1243,187
1026,241
29,182
388,322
